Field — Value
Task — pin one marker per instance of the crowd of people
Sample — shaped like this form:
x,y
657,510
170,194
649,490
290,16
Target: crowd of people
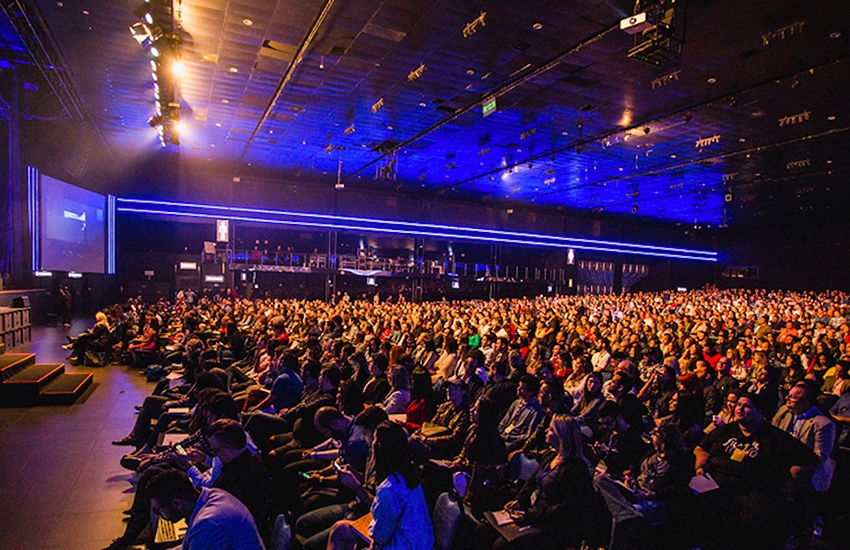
x,y
707,418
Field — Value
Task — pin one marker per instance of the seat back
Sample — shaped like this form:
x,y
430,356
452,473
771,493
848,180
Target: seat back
x,y
281,535
446,518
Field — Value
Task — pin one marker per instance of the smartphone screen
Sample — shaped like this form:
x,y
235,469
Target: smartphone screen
x,y
180,450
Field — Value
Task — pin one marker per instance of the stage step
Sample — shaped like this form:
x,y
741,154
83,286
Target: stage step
x,y
65,389
43,384
13,363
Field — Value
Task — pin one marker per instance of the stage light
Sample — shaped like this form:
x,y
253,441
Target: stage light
x,y
140,33
154,51
177,68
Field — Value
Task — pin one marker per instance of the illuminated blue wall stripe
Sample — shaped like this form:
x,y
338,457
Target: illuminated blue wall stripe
x,y
110,235
33,211
411,230
572,242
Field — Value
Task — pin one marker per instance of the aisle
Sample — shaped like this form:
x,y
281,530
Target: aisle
x,y
60,482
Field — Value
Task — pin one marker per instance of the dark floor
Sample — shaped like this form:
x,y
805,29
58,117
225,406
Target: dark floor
x,y
60,482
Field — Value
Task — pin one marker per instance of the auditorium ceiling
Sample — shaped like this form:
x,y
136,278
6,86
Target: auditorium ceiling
x,y
748,120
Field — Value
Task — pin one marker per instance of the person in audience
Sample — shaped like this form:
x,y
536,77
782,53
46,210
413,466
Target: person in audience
x,y
586,409
399,397
377,386
642,499
444,435
242,473
800,417
483,453
751,461
727,413
94,339
215,518
556,499
617,448
315,525
422,401
522,417
400,517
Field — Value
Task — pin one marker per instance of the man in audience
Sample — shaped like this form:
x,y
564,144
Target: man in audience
x,y
800,417
618,447
444,435
523,415
751,461
215,518
499,388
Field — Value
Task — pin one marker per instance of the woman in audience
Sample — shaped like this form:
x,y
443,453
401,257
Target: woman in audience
x,y
400,516
422,401
483,453
93,339
399,397
637,501
585,410
727,413
555,501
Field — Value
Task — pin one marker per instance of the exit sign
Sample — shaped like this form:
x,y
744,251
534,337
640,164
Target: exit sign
x,y
488,107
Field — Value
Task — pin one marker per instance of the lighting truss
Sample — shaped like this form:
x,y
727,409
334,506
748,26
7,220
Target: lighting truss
x,y
158,32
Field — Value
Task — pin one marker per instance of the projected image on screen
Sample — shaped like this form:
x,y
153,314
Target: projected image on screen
x,y
73,222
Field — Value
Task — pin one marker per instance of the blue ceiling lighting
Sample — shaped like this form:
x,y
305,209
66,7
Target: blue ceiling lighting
x,y
330,222
741,126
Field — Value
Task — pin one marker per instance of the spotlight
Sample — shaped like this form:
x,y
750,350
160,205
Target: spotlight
x,y
154,51
177,68
647,130
635,209
686,117
141,33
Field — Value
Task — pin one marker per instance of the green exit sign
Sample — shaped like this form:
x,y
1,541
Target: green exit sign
x,y
488,107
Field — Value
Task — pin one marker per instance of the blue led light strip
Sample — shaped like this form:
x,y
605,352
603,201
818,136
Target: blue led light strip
x,y
412,231
33,212
553,240
110,235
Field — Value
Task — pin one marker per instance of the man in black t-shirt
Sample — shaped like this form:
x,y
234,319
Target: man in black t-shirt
x,y
751,461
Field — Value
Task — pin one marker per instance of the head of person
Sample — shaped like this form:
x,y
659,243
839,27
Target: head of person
x,y
667,440
227,439
392,454
456,393
349,398
330,422
528,387
610,416
747,411
593,385
731,400
802,397
329,378
379,365
370,418
564,435
621,384
400,379
485,413
172,494
551,395
421,387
